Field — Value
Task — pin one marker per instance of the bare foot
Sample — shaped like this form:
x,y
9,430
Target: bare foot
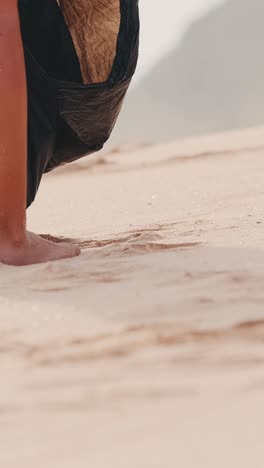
x,y
35,249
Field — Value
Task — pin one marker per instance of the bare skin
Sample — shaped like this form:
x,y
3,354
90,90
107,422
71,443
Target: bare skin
x,y
17,245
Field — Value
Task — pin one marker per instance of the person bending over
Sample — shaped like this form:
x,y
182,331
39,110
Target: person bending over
x,y
65,67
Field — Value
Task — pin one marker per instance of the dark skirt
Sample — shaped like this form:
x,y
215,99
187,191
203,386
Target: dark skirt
x,y
66,118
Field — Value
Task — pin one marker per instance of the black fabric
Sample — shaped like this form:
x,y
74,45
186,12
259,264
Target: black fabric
x,y
67,119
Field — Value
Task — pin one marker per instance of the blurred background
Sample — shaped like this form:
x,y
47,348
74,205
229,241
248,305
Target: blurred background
x,y
201,70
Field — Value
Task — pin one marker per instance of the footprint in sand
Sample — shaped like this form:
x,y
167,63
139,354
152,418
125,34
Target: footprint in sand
x,y
135,242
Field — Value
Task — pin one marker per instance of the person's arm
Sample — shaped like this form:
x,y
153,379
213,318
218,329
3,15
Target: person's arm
x,y
13,126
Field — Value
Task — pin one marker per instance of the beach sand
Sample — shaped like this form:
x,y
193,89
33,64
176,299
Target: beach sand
x,y
147,351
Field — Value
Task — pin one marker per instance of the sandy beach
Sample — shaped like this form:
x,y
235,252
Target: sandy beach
x,y
147,351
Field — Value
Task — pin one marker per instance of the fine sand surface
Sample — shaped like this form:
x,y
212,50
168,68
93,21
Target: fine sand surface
x,y
148,350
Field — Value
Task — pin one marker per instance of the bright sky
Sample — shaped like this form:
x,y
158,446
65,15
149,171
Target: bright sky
x,y
163,23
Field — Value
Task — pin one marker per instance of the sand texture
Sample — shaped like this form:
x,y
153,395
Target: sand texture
x,y
148,350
